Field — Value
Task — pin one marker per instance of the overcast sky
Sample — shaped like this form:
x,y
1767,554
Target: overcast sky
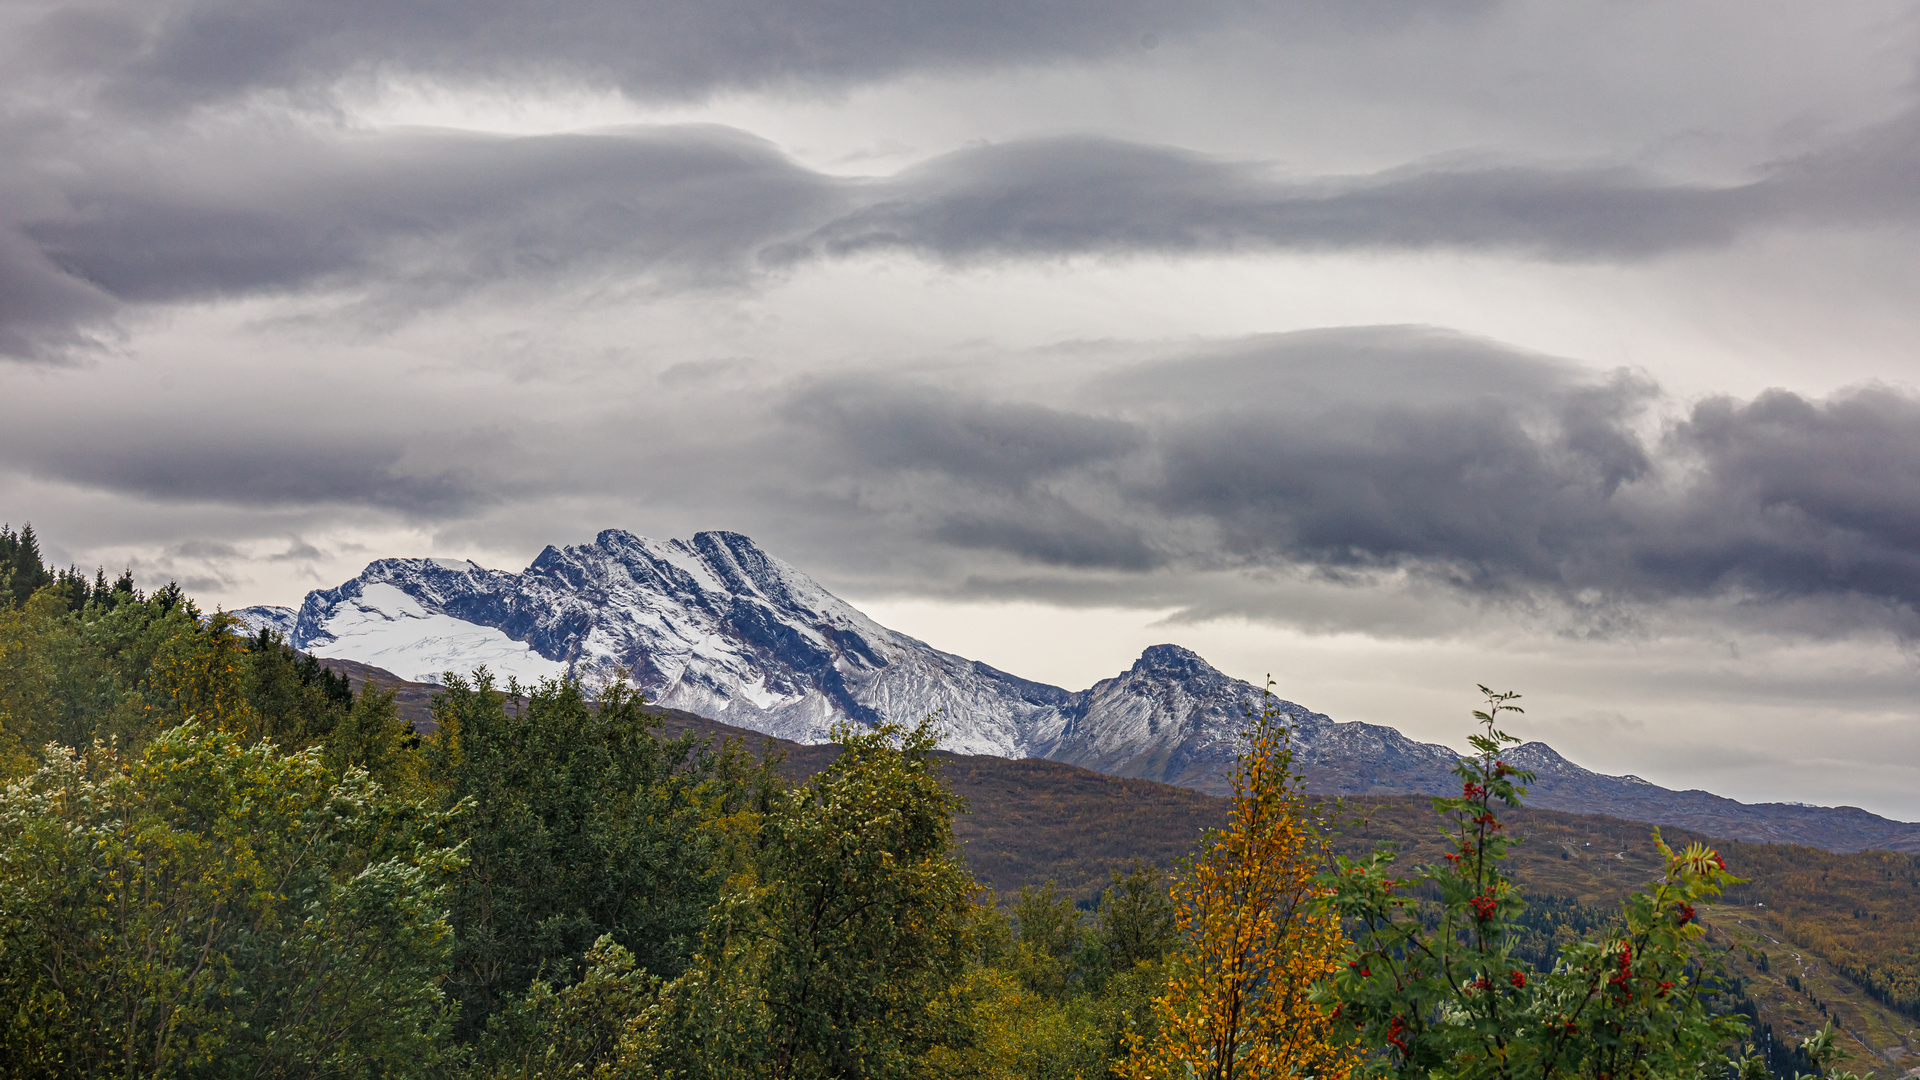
x,y
1389,347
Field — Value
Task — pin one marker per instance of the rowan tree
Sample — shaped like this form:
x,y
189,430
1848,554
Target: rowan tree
x,y
1438,994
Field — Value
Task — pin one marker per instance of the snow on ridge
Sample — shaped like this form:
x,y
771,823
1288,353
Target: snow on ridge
x,y
267,617
713,625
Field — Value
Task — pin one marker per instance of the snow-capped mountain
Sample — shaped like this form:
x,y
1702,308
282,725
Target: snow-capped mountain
x,y
714,625
718,627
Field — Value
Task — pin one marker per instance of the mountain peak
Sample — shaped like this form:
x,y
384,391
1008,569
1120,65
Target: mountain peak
x,y
1172,661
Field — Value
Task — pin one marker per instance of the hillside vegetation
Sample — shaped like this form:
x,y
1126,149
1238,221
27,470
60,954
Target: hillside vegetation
x,y
1848,924
217,854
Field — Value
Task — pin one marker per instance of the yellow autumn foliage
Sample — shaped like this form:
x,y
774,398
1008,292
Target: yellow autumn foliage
x,y
1257,935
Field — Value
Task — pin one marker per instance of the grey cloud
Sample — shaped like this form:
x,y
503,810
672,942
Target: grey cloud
x,y
1794,497
1004,444
1527,477
298,550
436,209
415,217
1320,371
403,220
203,549
151,56
349,469
1079,195
1050,531
1070,196
970,472
45,314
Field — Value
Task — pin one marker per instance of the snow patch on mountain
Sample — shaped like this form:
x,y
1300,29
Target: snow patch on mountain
x,y
260,617
383,625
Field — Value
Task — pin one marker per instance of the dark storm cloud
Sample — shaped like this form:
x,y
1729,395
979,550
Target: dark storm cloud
x,y
168,55
1326,451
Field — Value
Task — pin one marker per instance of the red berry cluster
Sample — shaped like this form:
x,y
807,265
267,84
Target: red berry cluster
x,y
1483,906
1396,1034
1626,971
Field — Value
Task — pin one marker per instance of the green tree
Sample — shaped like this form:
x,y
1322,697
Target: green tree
x,y
68,677
1049,959
372,736
1440,994
594,1028
295,700
583,821
869,909
838,954
211,908
1135,921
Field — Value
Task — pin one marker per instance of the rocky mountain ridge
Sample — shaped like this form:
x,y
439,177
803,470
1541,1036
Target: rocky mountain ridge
x,y
718,627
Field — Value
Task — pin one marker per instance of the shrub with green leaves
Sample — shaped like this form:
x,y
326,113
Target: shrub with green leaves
x,y
215,908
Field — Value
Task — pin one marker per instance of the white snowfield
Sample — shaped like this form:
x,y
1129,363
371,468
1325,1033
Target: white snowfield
x,y
385,627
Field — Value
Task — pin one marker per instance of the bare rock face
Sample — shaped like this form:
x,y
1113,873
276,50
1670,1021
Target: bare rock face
x,y
718,627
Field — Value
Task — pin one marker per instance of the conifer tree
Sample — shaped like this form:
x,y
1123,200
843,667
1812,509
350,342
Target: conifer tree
x,y
22,573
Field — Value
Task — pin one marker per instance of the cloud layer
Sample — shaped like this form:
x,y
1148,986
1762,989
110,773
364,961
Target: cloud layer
x,y
424,216
183,53
1349,454
1359,321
